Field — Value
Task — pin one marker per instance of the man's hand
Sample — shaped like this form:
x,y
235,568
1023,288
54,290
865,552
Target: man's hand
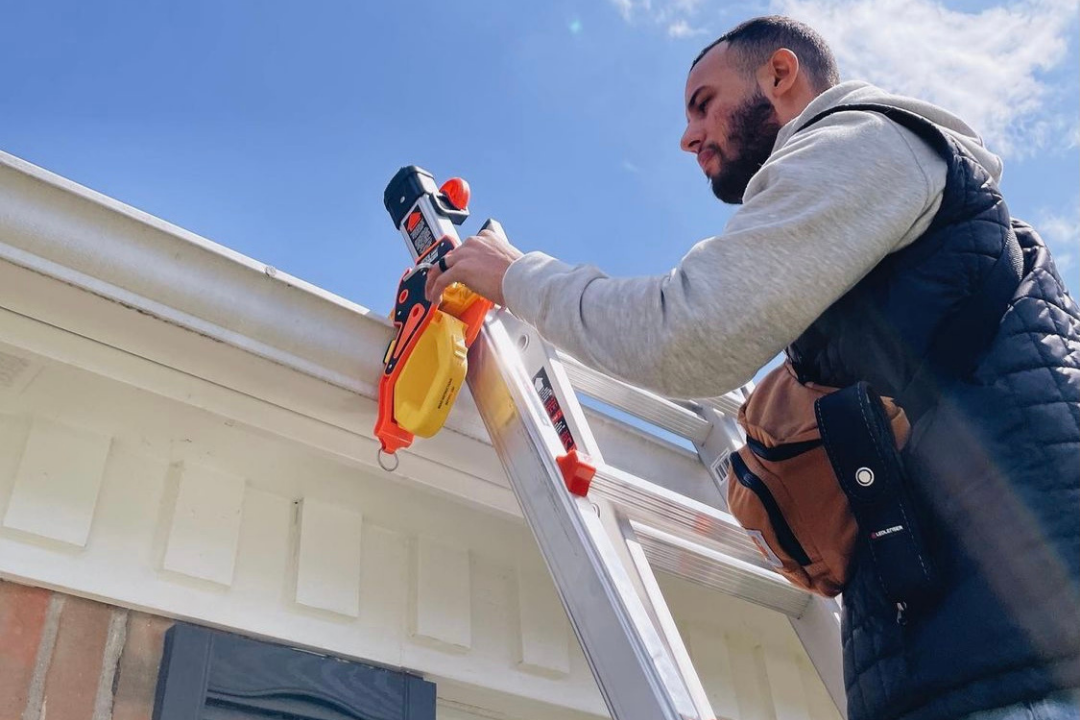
x,y
479,263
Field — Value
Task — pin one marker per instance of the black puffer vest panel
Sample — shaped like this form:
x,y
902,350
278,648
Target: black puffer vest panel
x,y
994,460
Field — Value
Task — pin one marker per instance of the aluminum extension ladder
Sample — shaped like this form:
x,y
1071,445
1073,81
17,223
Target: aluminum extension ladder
x,y
595,544
598,527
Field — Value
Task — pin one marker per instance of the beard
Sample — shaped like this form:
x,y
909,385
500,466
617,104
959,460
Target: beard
x,y
754,127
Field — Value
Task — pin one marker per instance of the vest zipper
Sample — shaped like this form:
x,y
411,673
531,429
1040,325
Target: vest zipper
x,y
788,542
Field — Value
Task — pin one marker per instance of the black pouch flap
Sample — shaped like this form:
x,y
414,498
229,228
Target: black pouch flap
x,y
862,450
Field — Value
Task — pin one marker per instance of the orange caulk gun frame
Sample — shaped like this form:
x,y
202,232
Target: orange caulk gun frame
x,y
425,362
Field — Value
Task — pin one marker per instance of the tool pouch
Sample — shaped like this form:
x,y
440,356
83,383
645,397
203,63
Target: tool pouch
x,y
820,476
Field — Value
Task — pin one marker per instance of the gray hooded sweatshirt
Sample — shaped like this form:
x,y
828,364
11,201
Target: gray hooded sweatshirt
x,y
826,207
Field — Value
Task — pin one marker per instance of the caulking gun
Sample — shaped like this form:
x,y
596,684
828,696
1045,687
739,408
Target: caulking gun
x,y
426,361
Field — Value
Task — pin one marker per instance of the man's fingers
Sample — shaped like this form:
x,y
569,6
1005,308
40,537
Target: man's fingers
x,y
479,263
440,266
442,281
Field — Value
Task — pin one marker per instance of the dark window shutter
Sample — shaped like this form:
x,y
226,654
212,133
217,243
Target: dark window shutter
x,y
211,675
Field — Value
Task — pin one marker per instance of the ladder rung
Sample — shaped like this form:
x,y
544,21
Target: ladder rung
x,y
640,403
648,502
697,542
703,565
725,404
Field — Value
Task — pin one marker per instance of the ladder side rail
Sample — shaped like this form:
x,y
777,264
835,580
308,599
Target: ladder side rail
x,y
818,628
662,615
536,353
632,663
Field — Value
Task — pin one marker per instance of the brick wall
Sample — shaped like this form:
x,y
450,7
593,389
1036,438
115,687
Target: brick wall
x,y
66,658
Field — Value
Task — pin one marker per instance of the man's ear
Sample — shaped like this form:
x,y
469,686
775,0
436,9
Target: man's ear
x,y
777,76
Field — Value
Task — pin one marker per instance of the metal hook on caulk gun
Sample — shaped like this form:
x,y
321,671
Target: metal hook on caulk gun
x,y
384,463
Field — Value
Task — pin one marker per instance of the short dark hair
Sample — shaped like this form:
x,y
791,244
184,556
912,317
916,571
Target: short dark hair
x,y
754,42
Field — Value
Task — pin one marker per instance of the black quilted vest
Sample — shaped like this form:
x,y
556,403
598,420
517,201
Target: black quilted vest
x,y
994,459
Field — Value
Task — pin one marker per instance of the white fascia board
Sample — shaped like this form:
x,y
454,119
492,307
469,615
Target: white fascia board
x,y
61,230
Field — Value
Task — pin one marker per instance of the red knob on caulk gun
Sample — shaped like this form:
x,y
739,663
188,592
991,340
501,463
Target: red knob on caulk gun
x,y
457,192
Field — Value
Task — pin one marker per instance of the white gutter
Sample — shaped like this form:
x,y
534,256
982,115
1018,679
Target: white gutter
x,y
113,250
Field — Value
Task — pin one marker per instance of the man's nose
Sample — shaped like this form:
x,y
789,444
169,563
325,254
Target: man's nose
x,y
691,139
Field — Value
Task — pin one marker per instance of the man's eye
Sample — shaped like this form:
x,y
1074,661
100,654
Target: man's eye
x,y
702,105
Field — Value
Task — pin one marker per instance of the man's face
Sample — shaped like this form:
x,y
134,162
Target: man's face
x,y
730,125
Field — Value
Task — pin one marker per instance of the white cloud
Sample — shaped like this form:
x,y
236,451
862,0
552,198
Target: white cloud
x,y
1061,231
685,7
630,9
988,67
675,15
682,29
1065,262
1002,69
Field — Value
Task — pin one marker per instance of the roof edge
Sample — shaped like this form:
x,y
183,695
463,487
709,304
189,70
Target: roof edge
x,y
63,230
59,228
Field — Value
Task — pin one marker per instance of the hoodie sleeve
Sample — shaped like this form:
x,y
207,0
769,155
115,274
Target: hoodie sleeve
x,y
820,214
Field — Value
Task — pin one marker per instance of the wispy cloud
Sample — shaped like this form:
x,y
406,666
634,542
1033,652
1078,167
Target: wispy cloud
x,y
632,9
677,16
1061,230
1003,69
682,29
989,67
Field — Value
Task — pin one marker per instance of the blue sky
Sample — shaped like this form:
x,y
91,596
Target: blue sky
x,y
272,127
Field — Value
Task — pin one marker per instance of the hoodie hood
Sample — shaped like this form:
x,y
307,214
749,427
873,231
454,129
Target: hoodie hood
x,y
850,93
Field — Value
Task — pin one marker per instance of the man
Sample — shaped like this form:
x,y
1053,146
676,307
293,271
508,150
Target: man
x,y
872,244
